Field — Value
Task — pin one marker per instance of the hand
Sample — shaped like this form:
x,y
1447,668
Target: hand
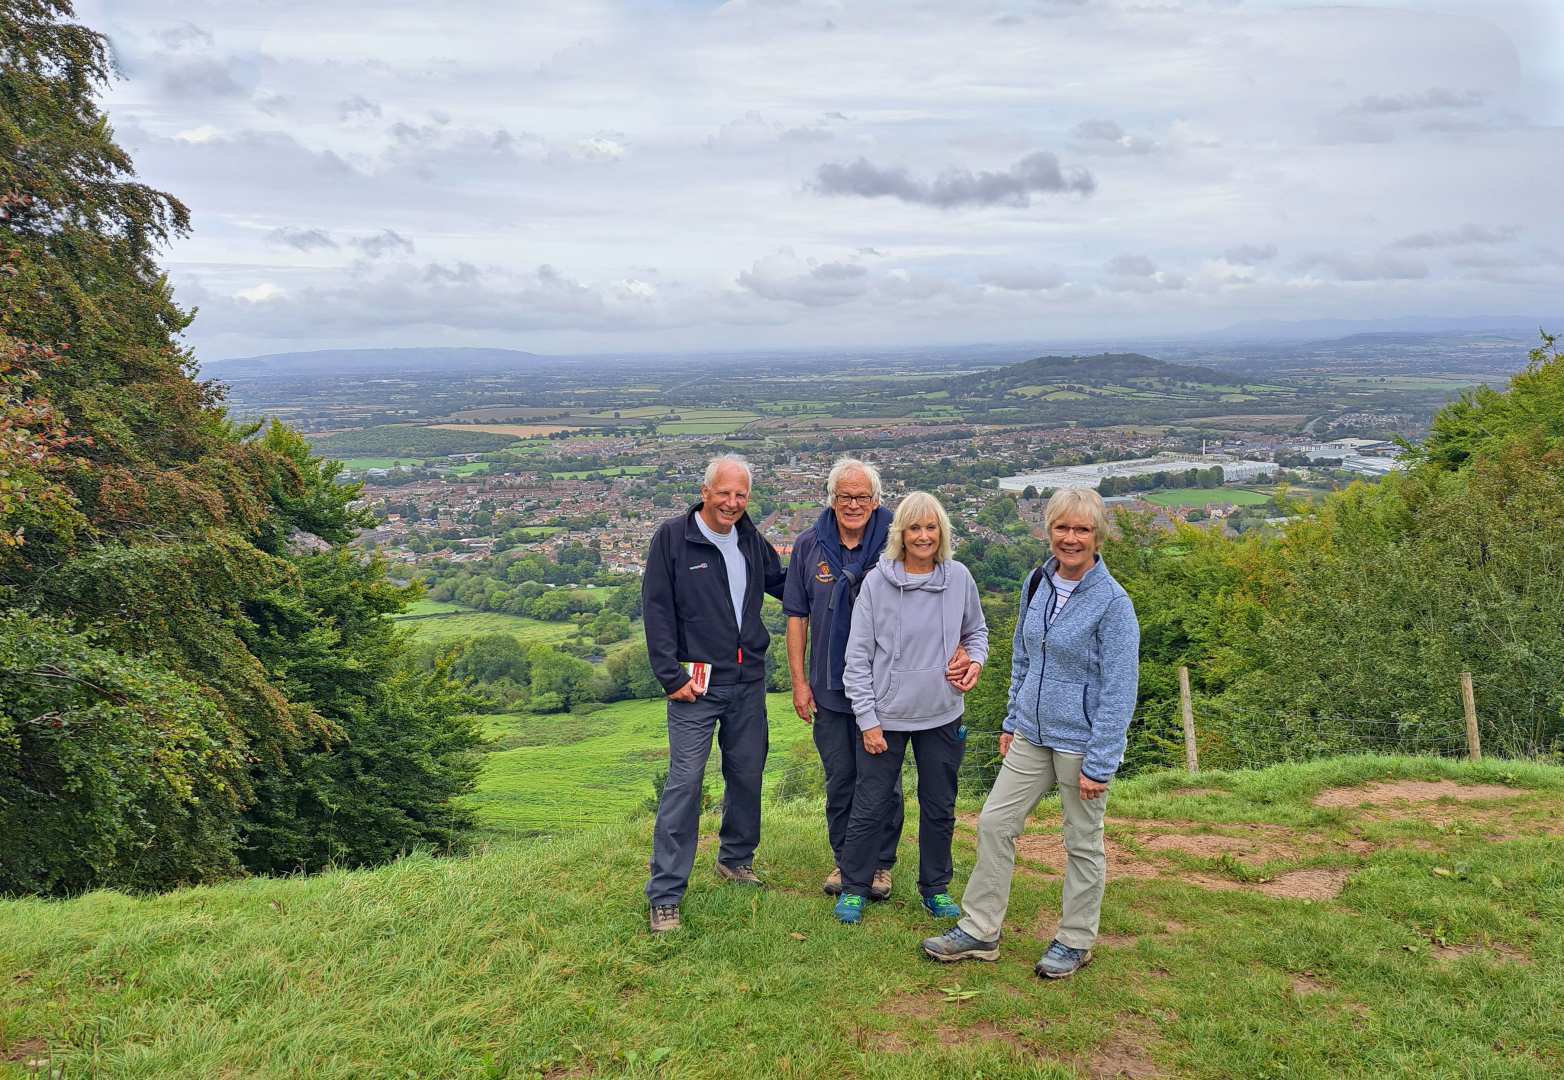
x,y
874,741
969,677
804,702
958,664
684,693
1005,739
1091,789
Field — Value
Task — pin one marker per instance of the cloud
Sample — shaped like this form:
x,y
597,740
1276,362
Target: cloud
x,y
385,242
1460,237
357,108
784,276
259,294
1105,136
1137,273
1346,267
1250,254
185,36
1034,174
601,148
301,239
201,79
1436,98
1024,278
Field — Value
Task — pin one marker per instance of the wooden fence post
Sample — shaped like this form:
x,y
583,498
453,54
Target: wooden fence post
x,y
1190,757
1474,743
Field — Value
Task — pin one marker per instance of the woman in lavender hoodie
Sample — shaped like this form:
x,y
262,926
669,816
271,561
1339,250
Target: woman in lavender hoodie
x,y
916,606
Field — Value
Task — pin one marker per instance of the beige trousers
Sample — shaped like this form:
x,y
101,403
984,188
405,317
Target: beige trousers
x,y
1027,774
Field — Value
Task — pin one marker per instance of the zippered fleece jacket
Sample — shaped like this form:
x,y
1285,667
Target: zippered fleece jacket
x,y
1074,678
688,610
904,633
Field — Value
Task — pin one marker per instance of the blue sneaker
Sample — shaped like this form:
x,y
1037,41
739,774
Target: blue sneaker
x,y
849,908
956,944
1061,961
941,906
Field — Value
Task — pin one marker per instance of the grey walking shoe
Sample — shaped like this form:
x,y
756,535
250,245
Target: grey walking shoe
x,y
739,875
1061,961
665,917
832,886
956,944
880,887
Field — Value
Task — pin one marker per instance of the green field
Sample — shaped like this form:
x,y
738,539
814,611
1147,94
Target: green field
x,y
538,532
701,427
359,464
471,468
420,609
1433,945
466,623
566,772
1203,496
621,470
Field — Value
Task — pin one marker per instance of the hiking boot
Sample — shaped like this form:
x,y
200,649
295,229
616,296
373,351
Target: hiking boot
x,y
956,944
832,886
880,889
941,906
849,908
739,875
665,917
1061,961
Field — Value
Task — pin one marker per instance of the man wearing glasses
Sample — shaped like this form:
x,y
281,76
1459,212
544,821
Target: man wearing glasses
x,y
829,562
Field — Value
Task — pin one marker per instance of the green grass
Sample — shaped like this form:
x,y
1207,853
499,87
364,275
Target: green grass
x,y
1202,496
622,470
467,623
359,464
563,772
702,427
471,468
421,609
533,959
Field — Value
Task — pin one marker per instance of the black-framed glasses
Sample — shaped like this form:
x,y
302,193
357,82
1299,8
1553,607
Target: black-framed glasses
x,y
855,500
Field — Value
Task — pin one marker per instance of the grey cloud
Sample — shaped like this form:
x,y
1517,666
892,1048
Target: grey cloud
x,y
1035,173
201,79
1131,266
1024,279
1436,98
384,242
357,107
1105,136
301,239
1460,237
185,36
1250,254
784,276
1137,273
1346,267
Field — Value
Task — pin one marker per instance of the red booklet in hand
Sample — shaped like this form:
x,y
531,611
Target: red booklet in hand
x,y
699,672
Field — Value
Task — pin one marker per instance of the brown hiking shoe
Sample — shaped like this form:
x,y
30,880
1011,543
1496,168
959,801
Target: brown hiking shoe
x,y
665,917
832,885
739,875
880,887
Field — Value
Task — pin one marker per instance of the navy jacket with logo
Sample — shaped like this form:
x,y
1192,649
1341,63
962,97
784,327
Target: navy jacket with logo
x,y
689,612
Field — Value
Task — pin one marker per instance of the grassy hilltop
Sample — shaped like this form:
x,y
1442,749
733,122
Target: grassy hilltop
x,y
1352,917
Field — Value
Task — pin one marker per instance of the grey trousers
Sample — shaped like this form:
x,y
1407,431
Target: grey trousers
x,y
1027,774
737,714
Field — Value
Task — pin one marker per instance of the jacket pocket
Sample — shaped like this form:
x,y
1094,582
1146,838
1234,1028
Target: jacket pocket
x,y
1063,705
915,694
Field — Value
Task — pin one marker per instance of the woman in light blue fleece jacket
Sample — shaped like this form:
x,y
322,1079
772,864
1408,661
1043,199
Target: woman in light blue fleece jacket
x,y
1074,676
916,606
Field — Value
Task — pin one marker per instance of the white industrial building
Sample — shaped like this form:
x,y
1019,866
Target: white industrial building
x,y
1234,471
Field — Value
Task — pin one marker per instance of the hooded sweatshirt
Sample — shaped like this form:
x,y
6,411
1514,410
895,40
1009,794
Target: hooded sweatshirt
x,y
905,630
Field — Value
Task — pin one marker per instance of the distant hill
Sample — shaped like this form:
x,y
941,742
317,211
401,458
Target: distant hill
x,y
363,361
1104,369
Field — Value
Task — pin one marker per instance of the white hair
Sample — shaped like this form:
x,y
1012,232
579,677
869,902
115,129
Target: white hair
x,y
721,461
846,465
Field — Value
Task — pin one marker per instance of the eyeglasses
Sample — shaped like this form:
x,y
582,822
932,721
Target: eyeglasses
x,y
855,500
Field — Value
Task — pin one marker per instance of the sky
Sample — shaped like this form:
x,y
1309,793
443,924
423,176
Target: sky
x,y
595,176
